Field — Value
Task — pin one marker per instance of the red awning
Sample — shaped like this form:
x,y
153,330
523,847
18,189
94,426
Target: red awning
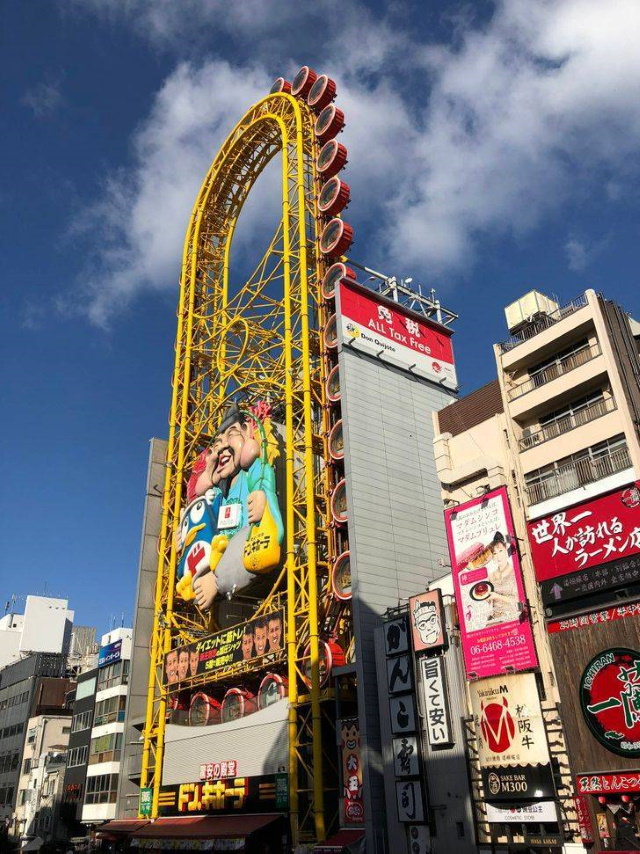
x,y
336,843
125,825
205,826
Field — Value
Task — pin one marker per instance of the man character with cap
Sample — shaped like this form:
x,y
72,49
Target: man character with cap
x,y
234,477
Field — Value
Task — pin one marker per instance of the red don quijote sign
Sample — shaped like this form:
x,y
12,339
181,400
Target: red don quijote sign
x,y
587,535
394,334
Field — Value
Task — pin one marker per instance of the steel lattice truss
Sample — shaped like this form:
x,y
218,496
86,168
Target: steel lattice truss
x,y
260,340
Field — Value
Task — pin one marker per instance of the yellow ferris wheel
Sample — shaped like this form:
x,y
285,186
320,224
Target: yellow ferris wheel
x,y
266,342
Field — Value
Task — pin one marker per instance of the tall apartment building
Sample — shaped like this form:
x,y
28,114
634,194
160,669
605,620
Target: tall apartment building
x,y
42,774
557,434
78,753
27,688
107,731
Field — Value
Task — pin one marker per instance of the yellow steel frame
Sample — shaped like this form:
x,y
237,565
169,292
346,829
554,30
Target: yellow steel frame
x,y
260,340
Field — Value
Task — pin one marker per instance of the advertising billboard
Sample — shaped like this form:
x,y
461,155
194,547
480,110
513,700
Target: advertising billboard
x,y
110,653
496,633
260,638
352,803
512,743
597,663
388,331
586,535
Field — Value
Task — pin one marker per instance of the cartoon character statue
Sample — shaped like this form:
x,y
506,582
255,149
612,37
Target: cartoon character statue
x,y
231,531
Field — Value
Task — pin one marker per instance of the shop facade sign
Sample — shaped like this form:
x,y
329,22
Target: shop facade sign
x,y
598,784
387,330
564,588
219,770
584,819
512,744
587,535
232,795
352,802
610,700
496,635
410,794
605,615
110,653
542,811
428,623
146,800
435,700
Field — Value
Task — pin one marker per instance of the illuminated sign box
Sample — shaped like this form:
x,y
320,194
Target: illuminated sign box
x,y
110,653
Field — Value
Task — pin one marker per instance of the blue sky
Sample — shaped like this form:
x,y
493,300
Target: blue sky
x,y
492,148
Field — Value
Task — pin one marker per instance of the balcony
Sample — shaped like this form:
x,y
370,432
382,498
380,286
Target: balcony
x,y
578,473
557,369
542,322
568,422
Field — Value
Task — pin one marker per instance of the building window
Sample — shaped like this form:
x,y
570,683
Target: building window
x,y
560,363
106,748
114,674
26,766
81,721
31,735
77,756
110,710
102,789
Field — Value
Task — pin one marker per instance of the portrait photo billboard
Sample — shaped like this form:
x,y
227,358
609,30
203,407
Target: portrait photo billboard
x,y
494,626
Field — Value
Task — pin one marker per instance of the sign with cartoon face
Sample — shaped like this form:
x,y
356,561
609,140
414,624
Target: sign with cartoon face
x,y
352,802
610,700
428,628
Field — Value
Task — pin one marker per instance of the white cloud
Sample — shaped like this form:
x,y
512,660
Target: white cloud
x,y
577,255
446,146
44,99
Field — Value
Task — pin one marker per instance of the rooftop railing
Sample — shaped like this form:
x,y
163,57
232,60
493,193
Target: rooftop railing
x,y
542,322
577,474
567,422
552,372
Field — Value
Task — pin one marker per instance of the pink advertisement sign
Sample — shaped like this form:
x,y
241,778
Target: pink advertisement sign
x,y
494,626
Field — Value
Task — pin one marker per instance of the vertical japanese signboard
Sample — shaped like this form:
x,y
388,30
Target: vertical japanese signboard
x,y
436,702
496,634
512,742
404,721
352,803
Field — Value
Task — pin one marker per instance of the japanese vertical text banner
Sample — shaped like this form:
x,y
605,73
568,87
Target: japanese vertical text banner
x,y
487,578
352,804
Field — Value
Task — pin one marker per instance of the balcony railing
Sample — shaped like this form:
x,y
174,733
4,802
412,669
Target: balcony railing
x,y
567,422
557,369
578,473
542,322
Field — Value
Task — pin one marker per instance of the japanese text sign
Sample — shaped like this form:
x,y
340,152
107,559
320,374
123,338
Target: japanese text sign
x,y
396,335
586,535
509,722
219,770
352,802
489,591
436,702
610,700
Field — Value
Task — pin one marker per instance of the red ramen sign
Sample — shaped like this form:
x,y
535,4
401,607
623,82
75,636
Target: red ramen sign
x,y
610,699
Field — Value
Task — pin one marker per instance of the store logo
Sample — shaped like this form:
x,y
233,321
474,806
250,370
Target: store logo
x,y
631,497
353,330
497,725
610,700
494,783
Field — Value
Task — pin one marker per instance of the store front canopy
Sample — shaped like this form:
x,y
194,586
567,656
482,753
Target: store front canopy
x,y
206,828
123,826
345,840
